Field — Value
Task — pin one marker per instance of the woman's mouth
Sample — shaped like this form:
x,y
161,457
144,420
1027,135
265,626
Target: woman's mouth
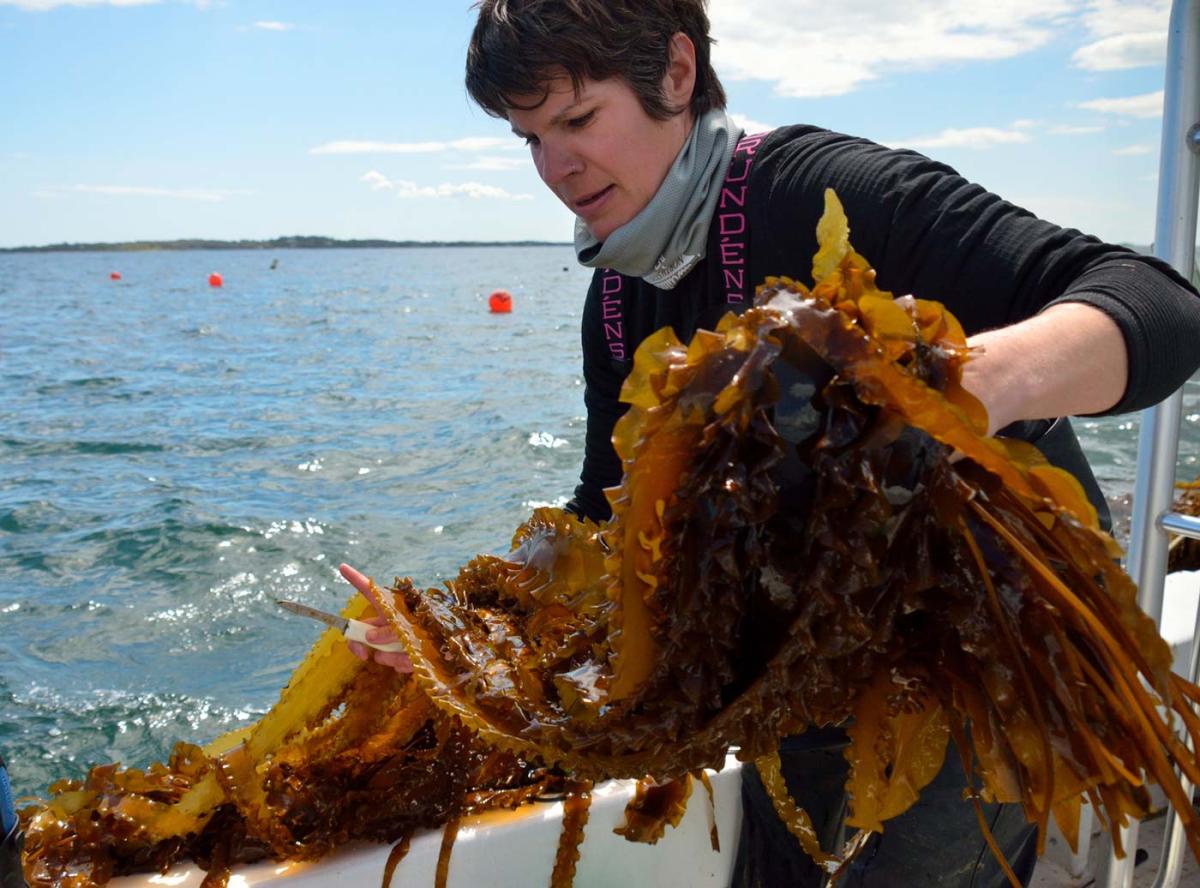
x,y
591,204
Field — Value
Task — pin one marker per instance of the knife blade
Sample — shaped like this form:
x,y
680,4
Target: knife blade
x,y
353,630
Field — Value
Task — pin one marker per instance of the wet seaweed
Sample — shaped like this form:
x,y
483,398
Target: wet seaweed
x,y
812,528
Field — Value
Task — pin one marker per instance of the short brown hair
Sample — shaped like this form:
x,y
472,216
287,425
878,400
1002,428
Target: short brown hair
x,y
520,45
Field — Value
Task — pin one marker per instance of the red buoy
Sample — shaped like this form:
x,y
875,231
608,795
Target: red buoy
x,y
215,280
114,275
500,302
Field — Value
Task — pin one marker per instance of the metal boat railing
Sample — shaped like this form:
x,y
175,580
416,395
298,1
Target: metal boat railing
x,y
1158,440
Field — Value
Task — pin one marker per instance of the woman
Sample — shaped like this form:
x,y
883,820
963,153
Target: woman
x,y
680,216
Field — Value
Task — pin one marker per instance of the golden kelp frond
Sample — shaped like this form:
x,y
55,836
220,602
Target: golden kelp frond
x,y
350,751
793,543
898,732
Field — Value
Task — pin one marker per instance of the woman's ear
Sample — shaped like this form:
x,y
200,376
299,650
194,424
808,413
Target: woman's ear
x,y
680,80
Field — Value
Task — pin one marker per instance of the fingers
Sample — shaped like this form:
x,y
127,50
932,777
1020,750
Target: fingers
x,y
359,581
362,583
391,659
399,662
381,634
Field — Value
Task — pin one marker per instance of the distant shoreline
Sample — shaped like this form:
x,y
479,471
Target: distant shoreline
x,y
279,243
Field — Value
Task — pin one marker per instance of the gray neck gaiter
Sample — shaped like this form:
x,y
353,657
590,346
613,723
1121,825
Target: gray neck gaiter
x,y
667,238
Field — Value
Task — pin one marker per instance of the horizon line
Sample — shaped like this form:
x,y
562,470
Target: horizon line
x,y
284,242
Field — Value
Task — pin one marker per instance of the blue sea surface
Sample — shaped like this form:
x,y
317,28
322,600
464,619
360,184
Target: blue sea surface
x,y
174,457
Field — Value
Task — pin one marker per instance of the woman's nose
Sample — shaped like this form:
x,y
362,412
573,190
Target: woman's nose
x,y
556,163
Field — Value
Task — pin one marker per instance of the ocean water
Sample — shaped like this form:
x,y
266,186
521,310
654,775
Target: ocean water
x,y
174,457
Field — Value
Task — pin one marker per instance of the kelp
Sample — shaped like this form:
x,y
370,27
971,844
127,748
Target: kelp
x,y
350,751
812,528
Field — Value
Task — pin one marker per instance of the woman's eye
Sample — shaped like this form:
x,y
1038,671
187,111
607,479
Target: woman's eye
x,y
581,121
531,140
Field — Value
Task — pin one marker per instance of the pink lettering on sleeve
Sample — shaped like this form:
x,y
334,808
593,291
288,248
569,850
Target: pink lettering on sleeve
x,y
612,310
730,196
731,225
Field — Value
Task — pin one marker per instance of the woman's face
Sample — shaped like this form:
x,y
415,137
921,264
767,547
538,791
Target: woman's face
x,y
598,150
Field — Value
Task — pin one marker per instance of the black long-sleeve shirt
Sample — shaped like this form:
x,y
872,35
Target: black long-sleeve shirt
x,y
928,232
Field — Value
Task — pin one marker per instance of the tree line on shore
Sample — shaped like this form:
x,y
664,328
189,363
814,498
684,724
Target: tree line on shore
x,y
303,242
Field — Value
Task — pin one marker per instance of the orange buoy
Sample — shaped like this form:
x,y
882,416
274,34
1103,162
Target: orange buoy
x,y
114,275
500,302
215,280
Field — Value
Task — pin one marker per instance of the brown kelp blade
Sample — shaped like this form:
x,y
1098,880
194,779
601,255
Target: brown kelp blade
x,y
792,544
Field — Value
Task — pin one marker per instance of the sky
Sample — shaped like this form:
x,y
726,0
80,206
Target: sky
x,y
230,119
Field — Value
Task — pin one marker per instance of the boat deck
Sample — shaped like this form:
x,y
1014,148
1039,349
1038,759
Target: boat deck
x,y
516,850
1053,869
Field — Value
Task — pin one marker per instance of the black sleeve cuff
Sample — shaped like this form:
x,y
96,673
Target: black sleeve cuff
x,y
1158,315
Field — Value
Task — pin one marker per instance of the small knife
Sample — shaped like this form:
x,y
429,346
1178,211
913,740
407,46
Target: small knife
x,y
354,630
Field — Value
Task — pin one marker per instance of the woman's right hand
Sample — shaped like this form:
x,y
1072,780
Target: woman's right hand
x,y
382,634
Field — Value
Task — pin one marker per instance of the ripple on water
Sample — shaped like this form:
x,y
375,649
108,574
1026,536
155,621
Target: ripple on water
x,y
55,734
89,384
34,447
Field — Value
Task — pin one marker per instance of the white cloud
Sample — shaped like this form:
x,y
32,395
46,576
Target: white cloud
x,y
1125,34
474,143
1105,18
1147,105
406,189
493,164
1122,51
976,138
43,5
376,180
206,195
865,39
1133,150
1068,130
750,125
469,189
274,26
